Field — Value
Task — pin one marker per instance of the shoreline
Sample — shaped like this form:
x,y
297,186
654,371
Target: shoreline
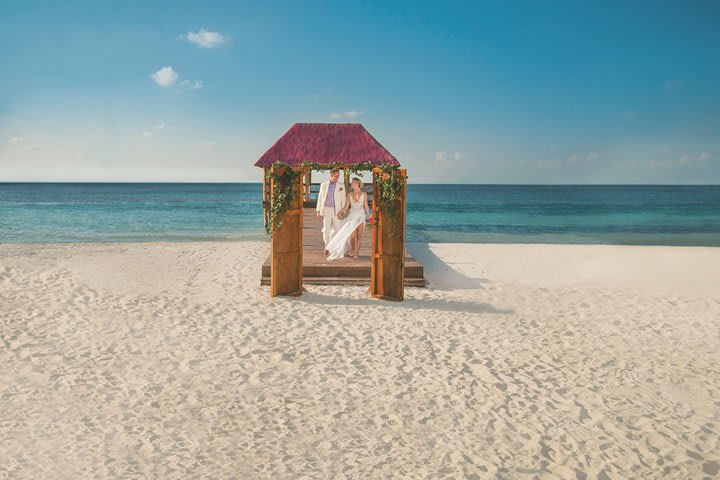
x,y
409,243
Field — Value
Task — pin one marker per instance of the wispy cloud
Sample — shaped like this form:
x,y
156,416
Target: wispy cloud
x,y
31,148
16,140
191,85
443,157
157,129
165,77
586,159
205,39
350,114
692,159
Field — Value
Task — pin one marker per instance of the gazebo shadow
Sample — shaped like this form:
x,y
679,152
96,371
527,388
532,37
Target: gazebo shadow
x,y
410,303
440,275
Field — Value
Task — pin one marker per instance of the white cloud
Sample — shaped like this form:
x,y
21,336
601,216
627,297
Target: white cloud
x,y
350,114
584,158
30,148
666,149
443,157
16,140
158,129
205,39
194,85
165,77
704,157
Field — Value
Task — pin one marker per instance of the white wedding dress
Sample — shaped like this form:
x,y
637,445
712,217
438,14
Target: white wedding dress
x,y
339,244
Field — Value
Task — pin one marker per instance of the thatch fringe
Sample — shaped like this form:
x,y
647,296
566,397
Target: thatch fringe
x,y
327,144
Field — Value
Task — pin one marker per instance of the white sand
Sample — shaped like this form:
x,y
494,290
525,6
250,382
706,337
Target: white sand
x,y
520,361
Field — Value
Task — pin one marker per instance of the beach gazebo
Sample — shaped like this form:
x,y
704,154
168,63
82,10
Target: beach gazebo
x,y
288,166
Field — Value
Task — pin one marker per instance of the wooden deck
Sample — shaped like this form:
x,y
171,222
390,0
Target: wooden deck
x,y
344,271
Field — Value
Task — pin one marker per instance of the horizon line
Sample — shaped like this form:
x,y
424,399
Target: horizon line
x,y
147,182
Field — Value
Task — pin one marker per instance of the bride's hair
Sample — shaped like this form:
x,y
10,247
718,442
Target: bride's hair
x,y
359,182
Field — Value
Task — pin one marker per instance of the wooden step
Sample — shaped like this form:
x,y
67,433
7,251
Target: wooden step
x,y
409,282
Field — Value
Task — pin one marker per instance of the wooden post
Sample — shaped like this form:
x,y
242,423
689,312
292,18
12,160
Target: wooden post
x,y
308,181
286,242
265,196
387,254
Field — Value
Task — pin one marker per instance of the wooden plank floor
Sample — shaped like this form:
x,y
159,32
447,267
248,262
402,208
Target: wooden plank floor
x,y
343,271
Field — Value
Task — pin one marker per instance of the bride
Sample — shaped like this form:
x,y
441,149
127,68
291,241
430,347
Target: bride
x,y
347,239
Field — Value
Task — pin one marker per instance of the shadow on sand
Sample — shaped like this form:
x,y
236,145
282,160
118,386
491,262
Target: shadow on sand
x,y
440,275
445,305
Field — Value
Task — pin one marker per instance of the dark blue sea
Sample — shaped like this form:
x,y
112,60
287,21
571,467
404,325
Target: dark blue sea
x,y
141,212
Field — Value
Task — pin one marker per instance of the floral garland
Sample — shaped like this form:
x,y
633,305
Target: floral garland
x,y
390,185
281,194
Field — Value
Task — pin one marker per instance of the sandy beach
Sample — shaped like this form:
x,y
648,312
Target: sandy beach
x,y
169,360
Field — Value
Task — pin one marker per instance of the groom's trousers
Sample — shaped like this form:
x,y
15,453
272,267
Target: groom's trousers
x,y
330,222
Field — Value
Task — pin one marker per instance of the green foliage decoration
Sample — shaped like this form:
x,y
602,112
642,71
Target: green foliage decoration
x,y
390,184
281,194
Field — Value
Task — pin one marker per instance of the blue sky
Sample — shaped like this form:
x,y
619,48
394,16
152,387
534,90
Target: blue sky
x,y
460,92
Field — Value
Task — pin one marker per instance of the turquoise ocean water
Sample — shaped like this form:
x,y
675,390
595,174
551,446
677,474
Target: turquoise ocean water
x,y
127,212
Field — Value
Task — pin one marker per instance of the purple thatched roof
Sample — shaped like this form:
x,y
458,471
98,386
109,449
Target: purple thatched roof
x,y
325,144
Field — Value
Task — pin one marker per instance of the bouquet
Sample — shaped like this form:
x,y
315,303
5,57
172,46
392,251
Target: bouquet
x,y
370,221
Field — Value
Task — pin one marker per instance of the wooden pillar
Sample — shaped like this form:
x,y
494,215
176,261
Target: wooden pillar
x,y
286,263
308,181
387,254
265,195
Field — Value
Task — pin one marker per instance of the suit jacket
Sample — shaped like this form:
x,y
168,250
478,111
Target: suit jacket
x,y
340,195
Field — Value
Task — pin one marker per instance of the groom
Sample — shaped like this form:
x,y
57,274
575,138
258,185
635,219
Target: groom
x,y
331,199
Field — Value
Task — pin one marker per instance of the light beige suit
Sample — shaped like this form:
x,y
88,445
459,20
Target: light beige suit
x,y
331,222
